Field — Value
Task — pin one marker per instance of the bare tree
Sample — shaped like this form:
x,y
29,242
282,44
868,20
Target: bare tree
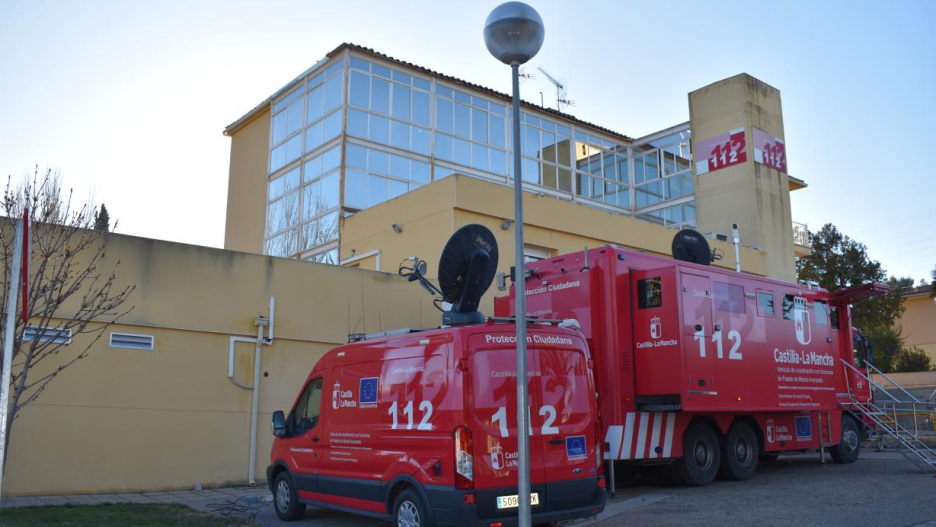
x,y
72,295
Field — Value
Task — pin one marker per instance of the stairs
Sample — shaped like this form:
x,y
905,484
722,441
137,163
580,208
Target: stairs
x,y
901,417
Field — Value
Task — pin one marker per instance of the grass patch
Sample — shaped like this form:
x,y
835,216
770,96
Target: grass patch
x,y
112,515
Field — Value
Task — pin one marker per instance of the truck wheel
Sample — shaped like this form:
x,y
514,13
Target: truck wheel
x,y
408,511
848,449
701,456
286,500
739,453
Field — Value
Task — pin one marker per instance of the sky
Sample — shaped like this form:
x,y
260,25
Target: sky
x,y
128,100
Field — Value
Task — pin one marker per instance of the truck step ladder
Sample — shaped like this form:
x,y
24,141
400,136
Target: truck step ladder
x,y
899,418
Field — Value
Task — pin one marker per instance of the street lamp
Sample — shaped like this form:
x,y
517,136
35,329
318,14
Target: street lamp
x,y
514,33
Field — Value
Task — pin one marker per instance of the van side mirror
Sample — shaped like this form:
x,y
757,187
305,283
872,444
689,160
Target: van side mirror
x,y
279,424
869,350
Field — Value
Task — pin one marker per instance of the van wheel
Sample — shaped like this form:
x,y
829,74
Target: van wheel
x,y
850,446
286,500
408,511
701,456
739,453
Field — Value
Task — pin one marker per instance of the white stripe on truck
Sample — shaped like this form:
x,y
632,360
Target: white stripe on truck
x,y
630,441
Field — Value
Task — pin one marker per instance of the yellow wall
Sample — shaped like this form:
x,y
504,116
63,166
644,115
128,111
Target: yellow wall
x,y
752,195
247,185
129,420
918,323
429,215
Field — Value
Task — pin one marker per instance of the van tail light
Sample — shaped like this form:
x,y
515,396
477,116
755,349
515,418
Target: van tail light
x,y
599,448
464,459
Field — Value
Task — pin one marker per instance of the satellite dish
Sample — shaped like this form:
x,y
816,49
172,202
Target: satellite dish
x,y
466,270
690,246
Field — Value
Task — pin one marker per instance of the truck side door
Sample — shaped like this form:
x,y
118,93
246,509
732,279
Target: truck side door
x,y
696,298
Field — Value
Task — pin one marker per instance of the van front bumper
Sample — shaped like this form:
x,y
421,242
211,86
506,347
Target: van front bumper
x,y
574,499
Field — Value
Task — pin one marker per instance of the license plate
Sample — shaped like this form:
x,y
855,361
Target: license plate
x,y
512,502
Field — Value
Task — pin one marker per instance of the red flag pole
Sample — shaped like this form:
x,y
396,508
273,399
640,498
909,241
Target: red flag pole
x,y
26,258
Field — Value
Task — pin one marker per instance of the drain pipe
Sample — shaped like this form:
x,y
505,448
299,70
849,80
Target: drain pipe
x,y
737,247
261,323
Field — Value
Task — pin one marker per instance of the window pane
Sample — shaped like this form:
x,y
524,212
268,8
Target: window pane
x,y
531,171
420,140
379,129
498,161
565,180
649,293
331,159
399,135
462,120
444,120
497,131
333,87
293,148
309,233
531,146
822,312
355,190
397,188
622,169
383,71
399,167
729,297
314,136
479,157
550,178
313,169
327,228
357,156
277,158
421,83
294,117
360,64
442,90
357,123
330,186
401,102
279,127
765,303
419,172
462,152
563,151
376,190
479,125
443,147
332,126
402,77
380,96
316,100
360,89
378,161
583,185
420,107
275,188
548,151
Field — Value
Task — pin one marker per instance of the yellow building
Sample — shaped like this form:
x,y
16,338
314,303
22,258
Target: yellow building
x,y
918,323
362,161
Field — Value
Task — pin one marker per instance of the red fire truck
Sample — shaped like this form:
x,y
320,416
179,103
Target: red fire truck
x,y
704,368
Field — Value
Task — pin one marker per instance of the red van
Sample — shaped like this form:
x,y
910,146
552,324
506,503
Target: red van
x,y
421,428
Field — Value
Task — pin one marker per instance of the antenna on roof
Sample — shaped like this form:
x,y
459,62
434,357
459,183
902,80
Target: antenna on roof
x,y
561,101
524,76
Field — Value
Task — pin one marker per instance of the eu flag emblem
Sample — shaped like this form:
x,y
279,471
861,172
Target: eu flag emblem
x,y
369,390
575,447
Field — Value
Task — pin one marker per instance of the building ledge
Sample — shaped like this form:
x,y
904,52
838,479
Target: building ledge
x,y
796,183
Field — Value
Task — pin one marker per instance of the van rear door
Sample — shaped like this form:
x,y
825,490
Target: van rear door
x,y
566,423
492,417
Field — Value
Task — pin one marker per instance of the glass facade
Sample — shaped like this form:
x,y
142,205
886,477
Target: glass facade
x,y
402,130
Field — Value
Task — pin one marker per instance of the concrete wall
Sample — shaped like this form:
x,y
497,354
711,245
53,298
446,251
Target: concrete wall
x,y
124,419
247,185
429,215
752,195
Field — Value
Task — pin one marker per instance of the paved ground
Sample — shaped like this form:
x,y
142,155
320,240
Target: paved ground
x,y
880,489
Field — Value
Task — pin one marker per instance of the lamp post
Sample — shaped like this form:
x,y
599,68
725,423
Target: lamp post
x,y
514,33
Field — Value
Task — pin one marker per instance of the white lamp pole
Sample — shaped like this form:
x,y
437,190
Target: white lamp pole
x,y
514,33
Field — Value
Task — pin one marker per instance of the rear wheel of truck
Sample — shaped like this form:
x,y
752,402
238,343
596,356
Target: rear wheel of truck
x,y
850,446
739,453
286,500
701,456
409,511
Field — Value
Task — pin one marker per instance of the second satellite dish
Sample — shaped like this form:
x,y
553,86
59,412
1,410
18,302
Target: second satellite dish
x,y
690,246
466,270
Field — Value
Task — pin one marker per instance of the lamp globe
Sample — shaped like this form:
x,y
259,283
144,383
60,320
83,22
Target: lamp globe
x,y
514,32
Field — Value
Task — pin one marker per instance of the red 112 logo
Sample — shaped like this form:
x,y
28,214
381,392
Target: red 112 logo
x,y
730,152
